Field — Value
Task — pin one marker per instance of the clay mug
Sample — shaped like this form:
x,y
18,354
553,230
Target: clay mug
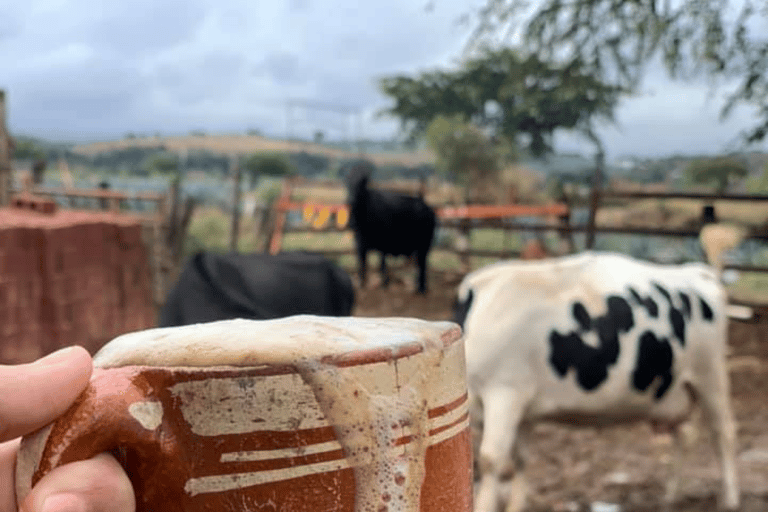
x,y
301,413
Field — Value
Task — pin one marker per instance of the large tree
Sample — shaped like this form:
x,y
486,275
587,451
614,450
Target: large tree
x,y
267,164
464,153
716,172
522,98
615,40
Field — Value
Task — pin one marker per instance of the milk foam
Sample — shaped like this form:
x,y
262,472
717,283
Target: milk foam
x,y
243,342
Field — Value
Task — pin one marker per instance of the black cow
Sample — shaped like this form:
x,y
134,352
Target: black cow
x,y
390,223
259,286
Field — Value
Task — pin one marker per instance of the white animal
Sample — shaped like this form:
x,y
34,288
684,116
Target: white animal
x,y
593,339
718,239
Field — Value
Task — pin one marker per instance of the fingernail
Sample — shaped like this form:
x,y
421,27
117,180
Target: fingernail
x,y
56,357
64,502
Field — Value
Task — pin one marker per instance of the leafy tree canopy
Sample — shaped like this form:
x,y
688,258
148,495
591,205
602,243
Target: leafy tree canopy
x,y
165,163
26,148
614,40
759,184
463,150
716,171
267,164
521,98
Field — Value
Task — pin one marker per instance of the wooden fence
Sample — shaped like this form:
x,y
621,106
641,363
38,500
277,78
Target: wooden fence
x,y
463,218
554,217
759,233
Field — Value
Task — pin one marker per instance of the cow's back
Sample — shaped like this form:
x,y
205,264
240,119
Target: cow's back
x,y
395,223
596,336
259,286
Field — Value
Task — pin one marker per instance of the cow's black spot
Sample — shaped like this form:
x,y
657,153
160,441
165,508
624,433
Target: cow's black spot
x,y
654,359
565,349
571,351
647,302
678,324
663,291
581,315
591,363
617,319
676,318
706,311
461,309
621,313
686,300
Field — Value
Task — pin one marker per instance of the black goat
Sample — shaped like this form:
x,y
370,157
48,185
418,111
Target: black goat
x,y
390,223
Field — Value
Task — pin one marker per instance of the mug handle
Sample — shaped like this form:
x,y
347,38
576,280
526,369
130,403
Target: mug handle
x,y
111,415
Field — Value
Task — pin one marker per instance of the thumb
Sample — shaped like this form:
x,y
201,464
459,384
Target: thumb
x,y
95,485
32,395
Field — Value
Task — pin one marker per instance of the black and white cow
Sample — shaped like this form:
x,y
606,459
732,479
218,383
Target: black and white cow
x,y
593,339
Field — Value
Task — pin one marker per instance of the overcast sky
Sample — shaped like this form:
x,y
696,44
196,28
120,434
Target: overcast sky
x,y
96,70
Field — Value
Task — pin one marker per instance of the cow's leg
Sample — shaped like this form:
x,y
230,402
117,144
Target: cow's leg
x,y
476,430
503,410
384,271
684,436
672,490
362,256
421,262
713,392
517,491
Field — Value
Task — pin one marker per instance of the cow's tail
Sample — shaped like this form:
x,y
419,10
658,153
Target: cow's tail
x,y
463,302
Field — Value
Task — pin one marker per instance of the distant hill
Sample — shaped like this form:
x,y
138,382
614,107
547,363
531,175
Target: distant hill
x,y
246,144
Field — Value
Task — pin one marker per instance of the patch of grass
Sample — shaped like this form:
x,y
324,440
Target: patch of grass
x,y
210,229
676,212
317,241
489,239
752,286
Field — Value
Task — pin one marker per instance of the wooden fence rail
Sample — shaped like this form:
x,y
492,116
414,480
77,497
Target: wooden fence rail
x,y
625,194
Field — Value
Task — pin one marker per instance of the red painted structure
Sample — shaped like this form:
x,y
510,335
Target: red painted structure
x,y
69,277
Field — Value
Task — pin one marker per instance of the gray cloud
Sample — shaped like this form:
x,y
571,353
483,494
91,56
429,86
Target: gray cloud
x,y
130,30
11,22
298,5
283,68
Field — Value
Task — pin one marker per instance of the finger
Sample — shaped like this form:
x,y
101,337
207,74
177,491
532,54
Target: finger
x,y
7,465
95,485
32,395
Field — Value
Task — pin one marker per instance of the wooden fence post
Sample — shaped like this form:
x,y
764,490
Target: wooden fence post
x,y
159,241
177,249
276,241
174,192
566,236
6,154
466,236
236,172
594,199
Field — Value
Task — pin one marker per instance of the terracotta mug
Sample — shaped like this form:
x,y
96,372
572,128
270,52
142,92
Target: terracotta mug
x,y
302,413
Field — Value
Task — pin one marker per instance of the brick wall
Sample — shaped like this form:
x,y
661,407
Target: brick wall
x,y
70,278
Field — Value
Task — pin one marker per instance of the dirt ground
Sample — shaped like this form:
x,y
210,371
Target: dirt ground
x,y
591,470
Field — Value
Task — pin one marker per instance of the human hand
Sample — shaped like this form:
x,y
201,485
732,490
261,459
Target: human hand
x,y
33,395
